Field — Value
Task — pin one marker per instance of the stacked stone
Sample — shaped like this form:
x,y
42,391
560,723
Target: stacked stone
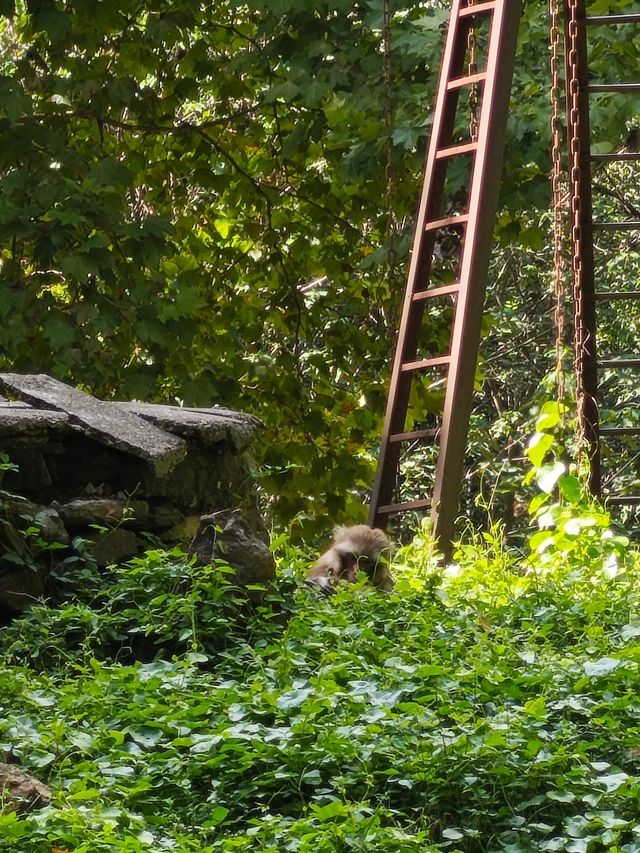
x,y
111,471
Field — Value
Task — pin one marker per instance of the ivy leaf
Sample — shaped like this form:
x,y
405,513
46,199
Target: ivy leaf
x,y
452,834
536,708
548,476
604,666
330,811
218,815
628,632
539,445
42,759
562,796
293,698
613,781
570,488
549,416
574,526
312,777
146,736
578,845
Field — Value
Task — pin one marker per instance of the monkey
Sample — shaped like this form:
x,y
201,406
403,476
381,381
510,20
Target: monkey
x,y
354,548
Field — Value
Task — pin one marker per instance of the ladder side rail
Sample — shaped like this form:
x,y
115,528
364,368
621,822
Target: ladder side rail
x,y
474,268
583,277
419,267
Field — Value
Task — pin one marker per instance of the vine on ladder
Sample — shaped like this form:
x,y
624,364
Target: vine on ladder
x,y
388,126
556,199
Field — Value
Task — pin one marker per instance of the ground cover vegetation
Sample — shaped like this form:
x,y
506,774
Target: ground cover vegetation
x,y
193,208
490,705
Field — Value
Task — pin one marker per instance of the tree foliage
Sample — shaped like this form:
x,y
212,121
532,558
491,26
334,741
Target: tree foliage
x,y
193,208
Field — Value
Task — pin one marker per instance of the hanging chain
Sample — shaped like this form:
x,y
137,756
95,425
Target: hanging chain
x,y
389,180
556,200
472,68
579,332
388,126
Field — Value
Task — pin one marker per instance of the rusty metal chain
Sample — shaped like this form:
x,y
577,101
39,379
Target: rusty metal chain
x,y
580,331
472,68
390,190
388,126
556,200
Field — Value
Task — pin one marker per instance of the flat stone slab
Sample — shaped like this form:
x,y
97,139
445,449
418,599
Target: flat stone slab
x,y
21,416
107,422
85,511
211,426
23,426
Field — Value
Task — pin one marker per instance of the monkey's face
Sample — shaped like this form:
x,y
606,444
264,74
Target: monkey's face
x,y
351,564
348,568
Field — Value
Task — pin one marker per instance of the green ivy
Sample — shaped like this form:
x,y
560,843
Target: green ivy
x,y
487,705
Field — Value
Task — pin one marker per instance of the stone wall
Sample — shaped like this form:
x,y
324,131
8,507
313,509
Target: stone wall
x,y
127,467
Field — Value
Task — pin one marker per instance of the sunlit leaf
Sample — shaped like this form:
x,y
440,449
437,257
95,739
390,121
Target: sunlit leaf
x,y
539,445
603,666
548,476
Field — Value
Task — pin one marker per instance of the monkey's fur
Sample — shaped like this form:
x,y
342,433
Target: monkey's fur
x,y
354,548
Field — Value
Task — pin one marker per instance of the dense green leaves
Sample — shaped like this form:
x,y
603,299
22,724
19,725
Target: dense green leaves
x,y
488,706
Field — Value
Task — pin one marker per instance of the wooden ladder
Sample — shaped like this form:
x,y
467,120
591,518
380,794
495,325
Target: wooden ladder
x,y
475,225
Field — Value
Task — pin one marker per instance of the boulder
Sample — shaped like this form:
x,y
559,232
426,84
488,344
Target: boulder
x,y
107,511
114,546
21,792
226,535
19,587
50,525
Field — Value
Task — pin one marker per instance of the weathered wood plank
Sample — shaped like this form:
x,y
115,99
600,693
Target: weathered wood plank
x,y
106,422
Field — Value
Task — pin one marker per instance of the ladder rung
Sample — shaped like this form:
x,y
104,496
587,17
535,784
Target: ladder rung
x,y
597,20
433,292
469,80
616,157
614,87
619,431
454,150
628,225
619,362
390,509
447,222
479,9
623,500
410,366
603,296
413,436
